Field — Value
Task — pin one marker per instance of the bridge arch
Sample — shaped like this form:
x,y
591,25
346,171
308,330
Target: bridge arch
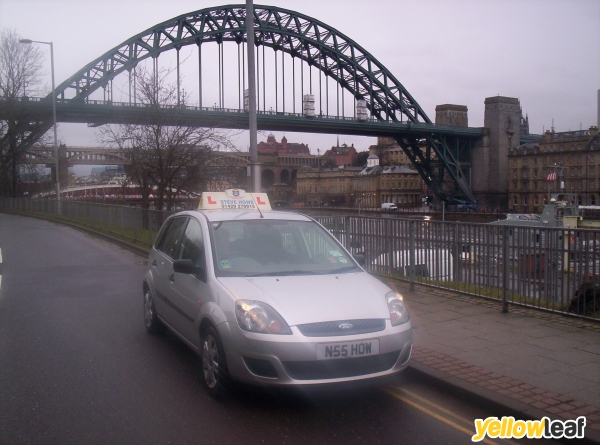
x,y
443,169
299,35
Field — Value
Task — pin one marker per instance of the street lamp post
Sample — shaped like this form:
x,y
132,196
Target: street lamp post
x,y
57,174
252,123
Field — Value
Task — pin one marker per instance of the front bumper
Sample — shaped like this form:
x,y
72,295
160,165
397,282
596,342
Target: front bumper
x,y
285,360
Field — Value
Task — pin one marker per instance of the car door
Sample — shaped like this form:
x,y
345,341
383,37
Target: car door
x,y
190,291
161,264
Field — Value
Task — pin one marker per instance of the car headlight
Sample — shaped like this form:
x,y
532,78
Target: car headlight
x,y
398,312
255,316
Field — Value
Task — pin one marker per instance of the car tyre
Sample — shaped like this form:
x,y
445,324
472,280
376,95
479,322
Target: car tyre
x,y
153,324
214,368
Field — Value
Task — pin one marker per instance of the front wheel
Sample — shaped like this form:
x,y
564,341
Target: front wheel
x,y
214,368
153,324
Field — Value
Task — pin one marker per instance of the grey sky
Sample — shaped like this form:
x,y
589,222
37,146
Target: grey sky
x,y
544,52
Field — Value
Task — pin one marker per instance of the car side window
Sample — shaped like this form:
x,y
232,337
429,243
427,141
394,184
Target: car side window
x,y
170,242
192,244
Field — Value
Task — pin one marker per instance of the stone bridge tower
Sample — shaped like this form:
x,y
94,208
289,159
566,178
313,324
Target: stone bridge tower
x,y
450,114
502,122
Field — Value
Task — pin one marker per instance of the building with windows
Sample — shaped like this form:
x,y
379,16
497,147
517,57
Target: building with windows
x,y
343,155
567,161
271,146
331,186
389,152
366,187
401,185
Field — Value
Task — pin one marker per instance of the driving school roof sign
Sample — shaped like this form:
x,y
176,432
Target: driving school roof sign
x,y
234,199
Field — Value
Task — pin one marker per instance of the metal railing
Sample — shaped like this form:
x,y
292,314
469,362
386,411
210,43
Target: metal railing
x,y
553,269
214,108
133,224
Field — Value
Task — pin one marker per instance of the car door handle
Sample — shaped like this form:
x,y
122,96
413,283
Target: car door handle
x,y
172,277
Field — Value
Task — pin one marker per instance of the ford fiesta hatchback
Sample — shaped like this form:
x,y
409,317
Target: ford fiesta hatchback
x,y
270,298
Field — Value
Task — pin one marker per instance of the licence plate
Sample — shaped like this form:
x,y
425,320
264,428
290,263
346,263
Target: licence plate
x,y
328,351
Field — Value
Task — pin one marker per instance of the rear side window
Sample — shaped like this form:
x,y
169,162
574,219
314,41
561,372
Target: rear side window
x,y
170,241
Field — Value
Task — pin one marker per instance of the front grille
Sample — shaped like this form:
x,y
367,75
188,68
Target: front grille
x,y
332,328
261,368
335,369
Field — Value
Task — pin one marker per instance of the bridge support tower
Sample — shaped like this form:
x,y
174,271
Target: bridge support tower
x,y
502,121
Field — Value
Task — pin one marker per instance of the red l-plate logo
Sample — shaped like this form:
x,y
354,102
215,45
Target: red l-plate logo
x,y
210,201
259,201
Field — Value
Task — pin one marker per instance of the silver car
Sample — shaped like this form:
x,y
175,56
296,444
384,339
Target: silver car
x,y
271,298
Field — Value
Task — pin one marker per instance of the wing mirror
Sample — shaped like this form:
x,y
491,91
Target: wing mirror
x,y
360,258
188,267
184,266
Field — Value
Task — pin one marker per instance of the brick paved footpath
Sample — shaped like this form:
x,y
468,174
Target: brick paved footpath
x,y
531,362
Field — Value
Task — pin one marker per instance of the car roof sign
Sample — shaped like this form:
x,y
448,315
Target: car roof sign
x,y
234,199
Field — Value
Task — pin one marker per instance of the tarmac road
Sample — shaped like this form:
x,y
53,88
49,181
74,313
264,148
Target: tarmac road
x,y
77,366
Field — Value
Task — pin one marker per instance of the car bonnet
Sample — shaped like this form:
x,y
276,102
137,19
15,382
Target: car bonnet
x,y
315,298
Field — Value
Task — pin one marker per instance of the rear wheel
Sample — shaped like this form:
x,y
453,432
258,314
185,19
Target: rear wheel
x,y
214,367
153,324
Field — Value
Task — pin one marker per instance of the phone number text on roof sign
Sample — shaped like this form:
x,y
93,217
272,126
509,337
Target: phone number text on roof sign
x,y
237,204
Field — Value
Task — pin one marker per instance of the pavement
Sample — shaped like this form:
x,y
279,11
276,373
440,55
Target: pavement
x,y
526,362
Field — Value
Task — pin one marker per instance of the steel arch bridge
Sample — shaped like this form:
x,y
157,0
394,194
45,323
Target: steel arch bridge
x,y
441,154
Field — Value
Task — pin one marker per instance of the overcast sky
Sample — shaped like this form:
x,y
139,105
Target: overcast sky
x,y
546,53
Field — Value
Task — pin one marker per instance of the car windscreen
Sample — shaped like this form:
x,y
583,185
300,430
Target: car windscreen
x,y
277,248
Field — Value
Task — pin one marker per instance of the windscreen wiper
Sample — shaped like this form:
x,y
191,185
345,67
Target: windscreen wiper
x,y
283,273
341,270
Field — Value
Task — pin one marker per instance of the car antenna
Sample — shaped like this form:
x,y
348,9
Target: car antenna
x,y
257,207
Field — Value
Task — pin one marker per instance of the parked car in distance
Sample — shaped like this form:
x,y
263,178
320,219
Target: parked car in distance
x,y
466,206
434,264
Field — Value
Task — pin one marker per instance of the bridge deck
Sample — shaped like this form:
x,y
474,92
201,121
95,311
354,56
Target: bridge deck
x,y
101,112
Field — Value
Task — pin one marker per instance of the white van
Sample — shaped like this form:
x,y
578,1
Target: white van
x,y
434,264
388,207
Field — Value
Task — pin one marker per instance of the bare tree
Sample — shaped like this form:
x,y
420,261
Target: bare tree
x,y
20,72
169,158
